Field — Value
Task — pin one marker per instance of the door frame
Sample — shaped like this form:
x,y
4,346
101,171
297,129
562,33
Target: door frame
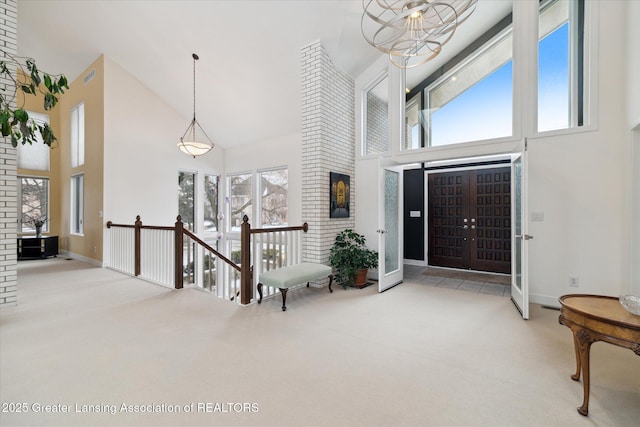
x,y
504,162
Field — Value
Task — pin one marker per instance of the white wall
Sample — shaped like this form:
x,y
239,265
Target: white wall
x,y
282,151
141,158
633,116
579,182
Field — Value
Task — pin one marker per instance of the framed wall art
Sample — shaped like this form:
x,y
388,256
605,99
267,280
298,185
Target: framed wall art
x,y
340,194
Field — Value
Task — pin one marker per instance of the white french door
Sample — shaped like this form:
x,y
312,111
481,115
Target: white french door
x,y
519,236
390,226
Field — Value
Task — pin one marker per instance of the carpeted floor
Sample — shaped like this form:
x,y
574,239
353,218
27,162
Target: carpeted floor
x,y
117,351
472,276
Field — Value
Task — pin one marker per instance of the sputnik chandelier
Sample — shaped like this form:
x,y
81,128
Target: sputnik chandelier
x,y
412,32
195,141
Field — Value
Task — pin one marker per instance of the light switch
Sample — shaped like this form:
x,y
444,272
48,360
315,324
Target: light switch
x,y
537,216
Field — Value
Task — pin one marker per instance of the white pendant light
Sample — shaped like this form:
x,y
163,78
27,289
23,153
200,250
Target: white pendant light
x,y
195,141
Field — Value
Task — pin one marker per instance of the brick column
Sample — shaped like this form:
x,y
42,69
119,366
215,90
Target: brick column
x,y
328,145
8,195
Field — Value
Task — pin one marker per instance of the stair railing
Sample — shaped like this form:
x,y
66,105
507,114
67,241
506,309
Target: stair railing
x,y
158,254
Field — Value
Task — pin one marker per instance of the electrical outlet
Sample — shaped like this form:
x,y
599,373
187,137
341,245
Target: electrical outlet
x,y
574,281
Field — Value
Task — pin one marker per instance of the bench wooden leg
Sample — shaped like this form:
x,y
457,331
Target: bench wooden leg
x,y
283,291
330,282
260,292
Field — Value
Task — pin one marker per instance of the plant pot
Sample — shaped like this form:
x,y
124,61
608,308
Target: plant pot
x,y
361,278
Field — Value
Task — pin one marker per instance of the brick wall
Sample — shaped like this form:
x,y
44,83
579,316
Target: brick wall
x,y
328,145
8,196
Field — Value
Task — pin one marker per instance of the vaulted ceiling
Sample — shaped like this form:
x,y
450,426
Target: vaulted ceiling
x,y
248,75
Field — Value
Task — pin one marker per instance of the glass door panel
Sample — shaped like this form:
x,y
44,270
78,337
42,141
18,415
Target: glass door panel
x,y
390,268
519,278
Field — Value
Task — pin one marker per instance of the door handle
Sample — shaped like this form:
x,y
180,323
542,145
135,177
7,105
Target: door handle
x,y
525,237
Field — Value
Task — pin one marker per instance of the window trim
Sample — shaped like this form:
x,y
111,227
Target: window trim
x,y
195,197
20,227
217,221
77,205
379,77
229,228
78,148
258,194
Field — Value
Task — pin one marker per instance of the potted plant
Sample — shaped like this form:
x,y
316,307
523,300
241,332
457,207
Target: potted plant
x,y
351,259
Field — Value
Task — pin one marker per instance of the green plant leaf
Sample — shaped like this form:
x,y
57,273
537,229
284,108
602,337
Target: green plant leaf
x,y
62,83
49,101
47,82
21,115
47,134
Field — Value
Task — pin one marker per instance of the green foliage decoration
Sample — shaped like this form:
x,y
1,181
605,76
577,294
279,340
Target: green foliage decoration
x,y
348,255
16,123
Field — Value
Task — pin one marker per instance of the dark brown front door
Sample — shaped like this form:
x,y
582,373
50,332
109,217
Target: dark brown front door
x,y
470,219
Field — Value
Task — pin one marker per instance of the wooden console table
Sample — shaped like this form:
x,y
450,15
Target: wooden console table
x,y
594,318
37,247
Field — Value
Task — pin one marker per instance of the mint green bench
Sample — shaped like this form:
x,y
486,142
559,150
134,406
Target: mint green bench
x,y
287,277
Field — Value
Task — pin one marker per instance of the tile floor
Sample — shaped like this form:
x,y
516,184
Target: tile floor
x,y
419,274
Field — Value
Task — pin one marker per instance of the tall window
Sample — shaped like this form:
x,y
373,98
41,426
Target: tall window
x,y
475,100
211,202
35,156
77,204
77,135
377,119
186,198
273,190
33,203
240,199
413,133
560,64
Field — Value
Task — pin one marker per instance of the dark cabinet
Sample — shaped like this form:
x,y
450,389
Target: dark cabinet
x,y
37,247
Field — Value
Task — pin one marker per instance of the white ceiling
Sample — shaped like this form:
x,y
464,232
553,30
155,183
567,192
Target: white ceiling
x,y
248,75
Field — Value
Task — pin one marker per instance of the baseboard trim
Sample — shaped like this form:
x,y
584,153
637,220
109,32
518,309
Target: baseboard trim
x,y
544,300
82,258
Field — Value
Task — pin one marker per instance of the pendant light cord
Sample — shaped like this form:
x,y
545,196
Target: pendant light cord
x,y
195,58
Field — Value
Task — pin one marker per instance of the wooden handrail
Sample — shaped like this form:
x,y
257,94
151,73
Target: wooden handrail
x,y
147,227
111,224
205,245
304,227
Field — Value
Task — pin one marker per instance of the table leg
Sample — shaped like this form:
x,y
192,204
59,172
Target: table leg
x,y
585,342
260,292
576,346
